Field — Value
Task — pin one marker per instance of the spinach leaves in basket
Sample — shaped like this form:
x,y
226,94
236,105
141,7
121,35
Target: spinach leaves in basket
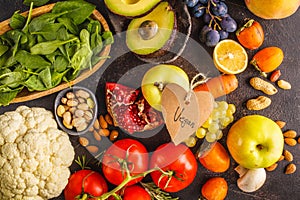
x,y
39,53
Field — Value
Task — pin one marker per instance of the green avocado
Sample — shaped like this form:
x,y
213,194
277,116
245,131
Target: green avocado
x,y
153,32
130,8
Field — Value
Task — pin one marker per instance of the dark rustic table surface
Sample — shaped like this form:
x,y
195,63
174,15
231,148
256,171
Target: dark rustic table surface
x,y
285,105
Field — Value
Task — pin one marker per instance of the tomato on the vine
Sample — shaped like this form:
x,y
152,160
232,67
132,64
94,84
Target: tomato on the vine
x,y
122,153
178,163
85,182
133,192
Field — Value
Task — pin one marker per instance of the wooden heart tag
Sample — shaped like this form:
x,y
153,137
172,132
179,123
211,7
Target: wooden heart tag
x,y
182,115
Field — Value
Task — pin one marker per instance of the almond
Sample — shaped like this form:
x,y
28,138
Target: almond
x,y
281,124
288,155
272,167
102,122
284,85
104,132
290,141
92,149
96,124
290,134
97,136
281,158
108,119
83,141
290,168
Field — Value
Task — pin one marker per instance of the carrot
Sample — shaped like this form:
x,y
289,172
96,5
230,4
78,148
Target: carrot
x,y
220,85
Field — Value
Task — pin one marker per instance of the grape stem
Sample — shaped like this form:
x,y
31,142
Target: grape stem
x,y
213,17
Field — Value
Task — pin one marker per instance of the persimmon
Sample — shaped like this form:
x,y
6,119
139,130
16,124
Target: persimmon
x,y
251,35
215,188
217,159
267,59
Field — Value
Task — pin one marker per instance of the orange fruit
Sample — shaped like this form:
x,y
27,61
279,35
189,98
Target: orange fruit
x,y
215,188
230,57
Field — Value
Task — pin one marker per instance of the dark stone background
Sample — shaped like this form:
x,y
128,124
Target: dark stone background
x,y
285,104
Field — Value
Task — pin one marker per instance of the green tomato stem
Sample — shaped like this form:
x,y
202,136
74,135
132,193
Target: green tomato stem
x,y
124,183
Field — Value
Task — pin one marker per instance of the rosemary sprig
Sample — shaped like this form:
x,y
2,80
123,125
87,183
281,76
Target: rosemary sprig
x,y
156,193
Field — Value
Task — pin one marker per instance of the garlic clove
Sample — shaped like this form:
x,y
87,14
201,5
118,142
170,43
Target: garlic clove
x,y
251,179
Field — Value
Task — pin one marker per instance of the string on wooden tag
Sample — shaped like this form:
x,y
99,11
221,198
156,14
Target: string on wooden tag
x,y
198,79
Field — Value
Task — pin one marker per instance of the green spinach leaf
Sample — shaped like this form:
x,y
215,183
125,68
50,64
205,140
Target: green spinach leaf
x,y
48,47
45,77
35,2
7,97
30,61
34,83
17,21
79,11
60,64
69,24
3,49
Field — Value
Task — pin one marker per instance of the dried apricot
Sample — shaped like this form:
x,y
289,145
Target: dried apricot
x,y
215,188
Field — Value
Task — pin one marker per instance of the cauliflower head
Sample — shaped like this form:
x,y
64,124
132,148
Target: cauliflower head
x,y
34,155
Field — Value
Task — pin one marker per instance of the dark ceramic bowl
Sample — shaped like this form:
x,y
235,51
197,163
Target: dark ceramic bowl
x,y
59,120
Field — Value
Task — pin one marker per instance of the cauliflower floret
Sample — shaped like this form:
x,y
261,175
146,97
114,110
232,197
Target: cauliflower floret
x,y
34,155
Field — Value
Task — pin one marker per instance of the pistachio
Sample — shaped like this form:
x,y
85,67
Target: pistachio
x,y
82,126
72,102
83,106
67,117
64,100
78,121
79,113
90,103
60,110
70,95
83,94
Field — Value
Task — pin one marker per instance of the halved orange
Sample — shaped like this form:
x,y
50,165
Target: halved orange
x,y
230,57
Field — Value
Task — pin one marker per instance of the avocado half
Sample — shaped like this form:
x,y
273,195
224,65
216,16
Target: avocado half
x,y
130,8
162,33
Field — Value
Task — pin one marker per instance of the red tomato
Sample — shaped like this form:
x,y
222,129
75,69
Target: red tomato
x,y
134,192
85,181
124,151
178,160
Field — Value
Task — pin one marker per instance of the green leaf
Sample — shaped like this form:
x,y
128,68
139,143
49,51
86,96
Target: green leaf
x,y
60,64
108,37
45,77
7,97
12,79
50,31
48,47
57,77
31,61
34,84
17,21
69,24
35,2
79,11
42,21
3,49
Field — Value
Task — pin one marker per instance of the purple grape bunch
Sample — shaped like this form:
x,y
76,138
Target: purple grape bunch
x,y
218,23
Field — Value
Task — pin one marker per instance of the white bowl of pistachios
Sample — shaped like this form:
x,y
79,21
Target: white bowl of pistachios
x,y
75,110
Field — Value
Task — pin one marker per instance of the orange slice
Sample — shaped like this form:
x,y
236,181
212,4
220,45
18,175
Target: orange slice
x,y
230,57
